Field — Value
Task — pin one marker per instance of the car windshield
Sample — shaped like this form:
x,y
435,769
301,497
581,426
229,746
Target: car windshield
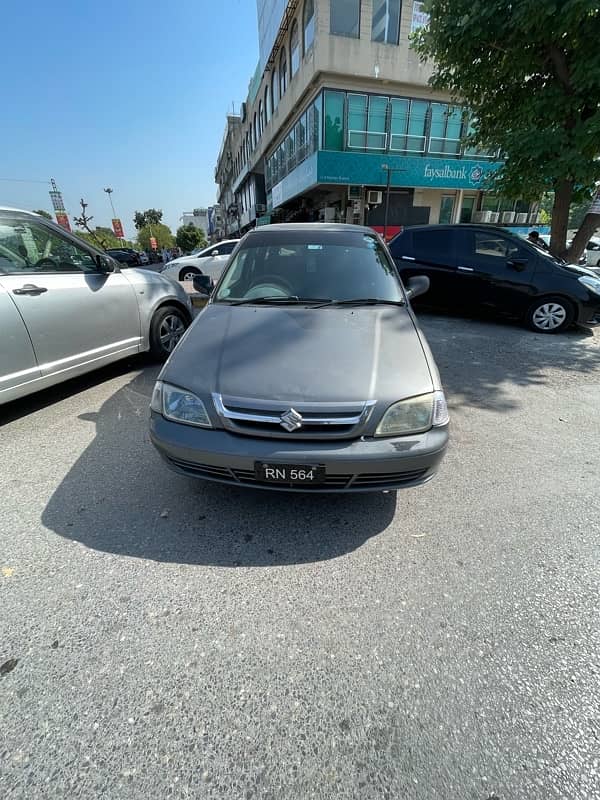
x,y
310,265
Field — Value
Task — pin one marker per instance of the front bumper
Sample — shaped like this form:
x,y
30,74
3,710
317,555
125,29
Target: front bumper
x,y
589,314
363,465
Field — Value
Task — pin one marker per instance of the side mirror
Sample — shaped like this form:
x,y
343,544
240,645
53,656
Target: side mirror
x,y
417,286
202,284
106,264
518,264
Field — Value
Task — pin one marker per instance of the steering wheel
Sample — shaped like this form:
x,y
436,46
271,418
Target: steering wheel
x,y
270,285
45,262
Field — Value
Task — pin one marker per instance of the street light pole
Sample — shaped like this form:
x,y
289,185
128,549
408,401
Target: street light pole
x,y
109,192
387,200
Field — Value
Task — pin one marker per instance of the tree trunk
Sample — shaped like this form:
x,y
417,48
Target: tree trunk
x,y
591,222
563,192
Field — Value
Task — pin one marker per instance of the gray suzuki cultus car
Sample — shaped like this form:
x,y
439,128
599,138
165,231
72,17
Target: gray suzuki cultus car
x,y
306,371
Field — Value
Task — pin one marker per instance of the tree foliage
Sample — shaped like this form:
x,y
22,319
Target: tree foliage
x,y
104,238
162,234
151,216
530,72
189,237
43,213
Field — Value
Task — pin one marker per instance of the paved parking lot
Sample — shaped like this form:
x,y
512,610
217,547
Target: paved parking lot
x,y
166,638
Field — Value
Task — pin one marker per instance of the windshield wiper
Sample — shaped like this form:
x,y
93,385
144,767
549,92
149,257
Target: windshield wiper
x,y
364,301
278,299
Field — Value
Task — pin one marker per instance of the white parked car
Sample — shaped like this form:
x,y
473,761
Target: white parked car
x,y
209,261
592,252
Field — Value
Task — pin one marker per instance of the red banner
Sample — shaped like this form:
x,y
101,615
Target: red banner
x,y
118,228
63,221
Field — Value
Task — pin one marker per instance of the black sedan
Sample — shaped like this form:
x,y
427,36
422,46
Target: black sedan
x,y
128,258
482,266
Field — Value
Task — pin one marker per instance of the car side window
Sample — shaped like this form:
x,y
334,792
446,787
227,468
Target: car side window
x,y
494,246
226,249
28,247
431,245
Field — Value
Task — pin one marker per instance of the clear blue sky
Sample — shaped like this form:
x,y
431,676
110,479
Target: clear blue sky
x,y
130,94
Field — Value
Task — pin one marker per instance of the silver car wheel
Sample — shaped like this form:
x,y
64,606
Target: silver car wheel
x,y
171,331
549,316
189,276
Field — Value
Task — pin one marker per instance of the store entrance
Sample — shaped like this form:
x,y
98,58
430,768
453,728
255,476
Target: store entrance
x,y
401,213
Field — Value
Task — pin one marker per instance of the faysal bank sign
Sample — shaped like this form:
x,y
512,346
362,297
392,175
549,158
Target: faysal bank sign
x,y
472,174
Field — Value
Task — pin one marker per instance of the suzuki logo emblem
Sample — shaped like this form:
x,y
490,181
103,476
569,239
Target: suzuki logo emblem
x,y
291,420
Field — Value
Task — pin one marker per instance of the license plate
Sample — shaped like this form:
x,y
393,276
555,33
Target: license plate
x,y
288,473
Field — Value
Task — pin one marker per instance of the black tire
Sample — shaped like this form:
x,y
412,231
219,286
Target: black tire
x,y
168,325
550,315
189,271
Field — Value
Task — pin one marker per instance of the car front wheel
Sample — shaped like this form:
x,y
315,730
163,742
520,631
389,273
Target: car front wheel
x,y
188,273
168,326
550,315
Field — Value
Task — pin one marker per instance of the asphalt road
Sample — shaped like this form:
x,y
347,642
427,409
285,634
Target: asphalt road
x,y
164,638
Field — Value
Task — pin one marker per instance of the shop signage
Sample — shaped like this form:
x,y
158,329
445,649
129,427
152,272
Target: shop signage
x,y
299,179
367,169
420,18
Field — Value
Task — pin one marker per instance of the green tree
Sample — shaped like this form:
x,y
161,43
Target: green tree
x,y
530,72
162,234
43,213
151,216
189,237
103,238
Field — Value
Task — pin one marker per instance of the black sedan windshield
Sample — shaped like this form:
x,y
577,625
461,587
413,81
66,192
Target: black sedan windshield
x,y
310,265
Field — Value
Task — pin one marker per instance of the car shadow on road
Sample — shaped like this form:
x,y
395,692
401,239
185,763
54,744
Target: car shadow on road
x,y
482,360
119,497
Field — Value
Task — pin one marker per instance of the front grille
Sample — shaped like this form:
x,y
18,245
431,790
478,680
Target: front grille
x,y
262,418
331,481
387,478
247,477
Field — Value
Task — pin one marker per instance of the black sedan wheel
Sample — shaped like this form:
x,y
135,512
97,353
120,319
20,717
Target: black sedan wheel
x,y
550,315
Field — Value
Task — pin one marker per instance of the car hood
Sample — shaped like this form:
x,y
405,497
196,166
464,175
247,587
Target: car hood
x,y
302,354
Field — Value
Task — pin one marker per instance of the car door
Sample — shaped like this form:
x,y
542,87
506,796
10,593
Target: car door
x,y
428,251
18,365
498,266
75,314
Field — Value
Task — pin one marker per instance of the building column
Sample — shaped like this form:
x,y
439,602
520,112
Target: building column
x,y
457,206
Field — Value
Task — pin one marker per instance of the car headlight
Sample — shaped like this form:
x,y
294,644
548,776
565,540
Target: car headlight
x,y
179,405
415,415
593,284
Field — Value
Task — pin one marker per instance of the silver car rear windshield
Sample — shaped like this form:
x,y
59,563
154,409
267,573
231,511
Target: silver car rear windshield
x,y
320,265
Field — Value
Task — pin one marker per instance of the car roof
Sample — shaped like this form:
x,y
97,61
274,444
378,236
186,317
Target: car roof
x,y
462,225
19,211
282,227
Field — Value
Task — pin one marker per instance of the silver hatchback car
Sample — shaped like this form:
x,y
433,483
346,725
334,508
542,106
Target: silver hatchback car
x,y
66,308
306,371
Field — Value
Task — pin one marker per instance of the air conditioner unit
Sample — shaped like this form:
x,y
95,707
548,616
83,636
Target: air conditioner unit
x,y
534,218
329,214
261,208
374,198
482,216
521,219
508,216
494,216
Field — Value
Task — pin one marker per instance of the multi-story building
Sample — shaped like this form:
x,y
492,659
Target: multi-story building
x,y
340,122
198,218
